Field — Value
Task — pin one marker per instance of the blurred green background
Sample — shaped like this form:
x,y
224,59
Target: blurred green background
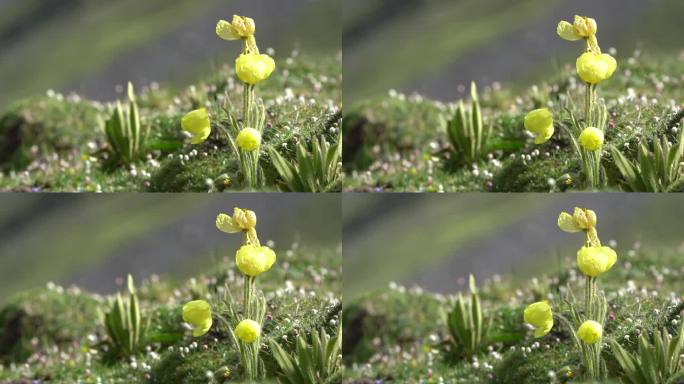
x,y
91,46
92,240
433,46
436,241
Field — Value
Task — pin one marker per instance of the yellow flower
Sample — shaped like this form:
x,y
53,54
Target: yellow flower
x,y
242,220
567,31
593,261
585,26
197,124
253,261
591,138
567,224
241,27
249,139
593,67
540,122
581,219
253,68
198,314
248,331
540,316
590,332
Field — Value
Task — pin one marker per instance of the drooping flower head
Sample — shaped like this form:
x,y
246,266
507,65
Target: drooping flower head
x,y
253,68
249,139
585,26
242,220
594,261
582,219
540,316
248,331
590,332
254,260
198,314
595,67
591,139
241,27
540,122
197,124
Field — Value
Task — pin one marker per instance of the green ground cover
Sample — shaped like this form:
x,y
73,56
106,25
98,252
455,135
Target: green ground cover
x,y
398,142
643,291
55,334
57,143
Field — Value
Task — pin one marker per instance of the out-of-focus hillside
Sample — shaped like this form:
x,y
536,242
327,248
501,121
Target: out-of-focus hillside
x,y
442,44
91,47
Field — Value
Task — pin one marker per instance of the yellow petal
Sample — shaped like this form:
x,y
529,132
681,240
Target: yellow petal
x,y
224,223
225,31
249,139
197,123
567,223
567,31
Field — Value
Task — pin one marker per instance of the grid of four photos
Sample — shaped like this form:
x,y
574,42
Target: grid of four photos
x,y
341,191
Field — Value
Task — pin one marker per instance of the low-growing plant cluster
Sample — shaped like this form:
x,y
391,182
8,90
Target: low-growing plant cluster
x,y
627,329
202,139
197,333
561,135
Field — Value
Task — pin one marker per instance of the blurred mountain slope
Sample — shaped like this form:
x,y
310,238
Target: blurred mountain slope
x,y
92,46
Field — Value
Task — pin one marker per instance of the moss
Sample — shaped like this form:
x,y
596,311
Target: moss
x,y
43,124
40,319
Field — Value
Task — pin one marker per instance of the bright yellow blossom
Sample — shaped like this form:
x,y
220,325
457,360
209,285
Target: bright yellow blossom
x,y
540,316
197,123
590,332
252,260
198,314
593,261
591,138
253,68
593,67
249,139
248,331
540,122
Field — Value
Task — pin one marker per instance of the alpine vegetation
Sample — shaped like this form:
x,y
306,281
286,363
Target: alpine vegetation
x,y
125,132
125,324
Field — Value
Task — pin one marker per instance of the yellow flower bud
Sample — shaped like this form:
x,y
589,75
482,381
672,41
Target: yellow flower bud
x,y
591,139
248,331
594,67
540,122
593,261
540,316
197,124
253,261
567,31
584,218
249,139
585,26
198,314
567,223
225,31
244,218
590,332
253,68
243,26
